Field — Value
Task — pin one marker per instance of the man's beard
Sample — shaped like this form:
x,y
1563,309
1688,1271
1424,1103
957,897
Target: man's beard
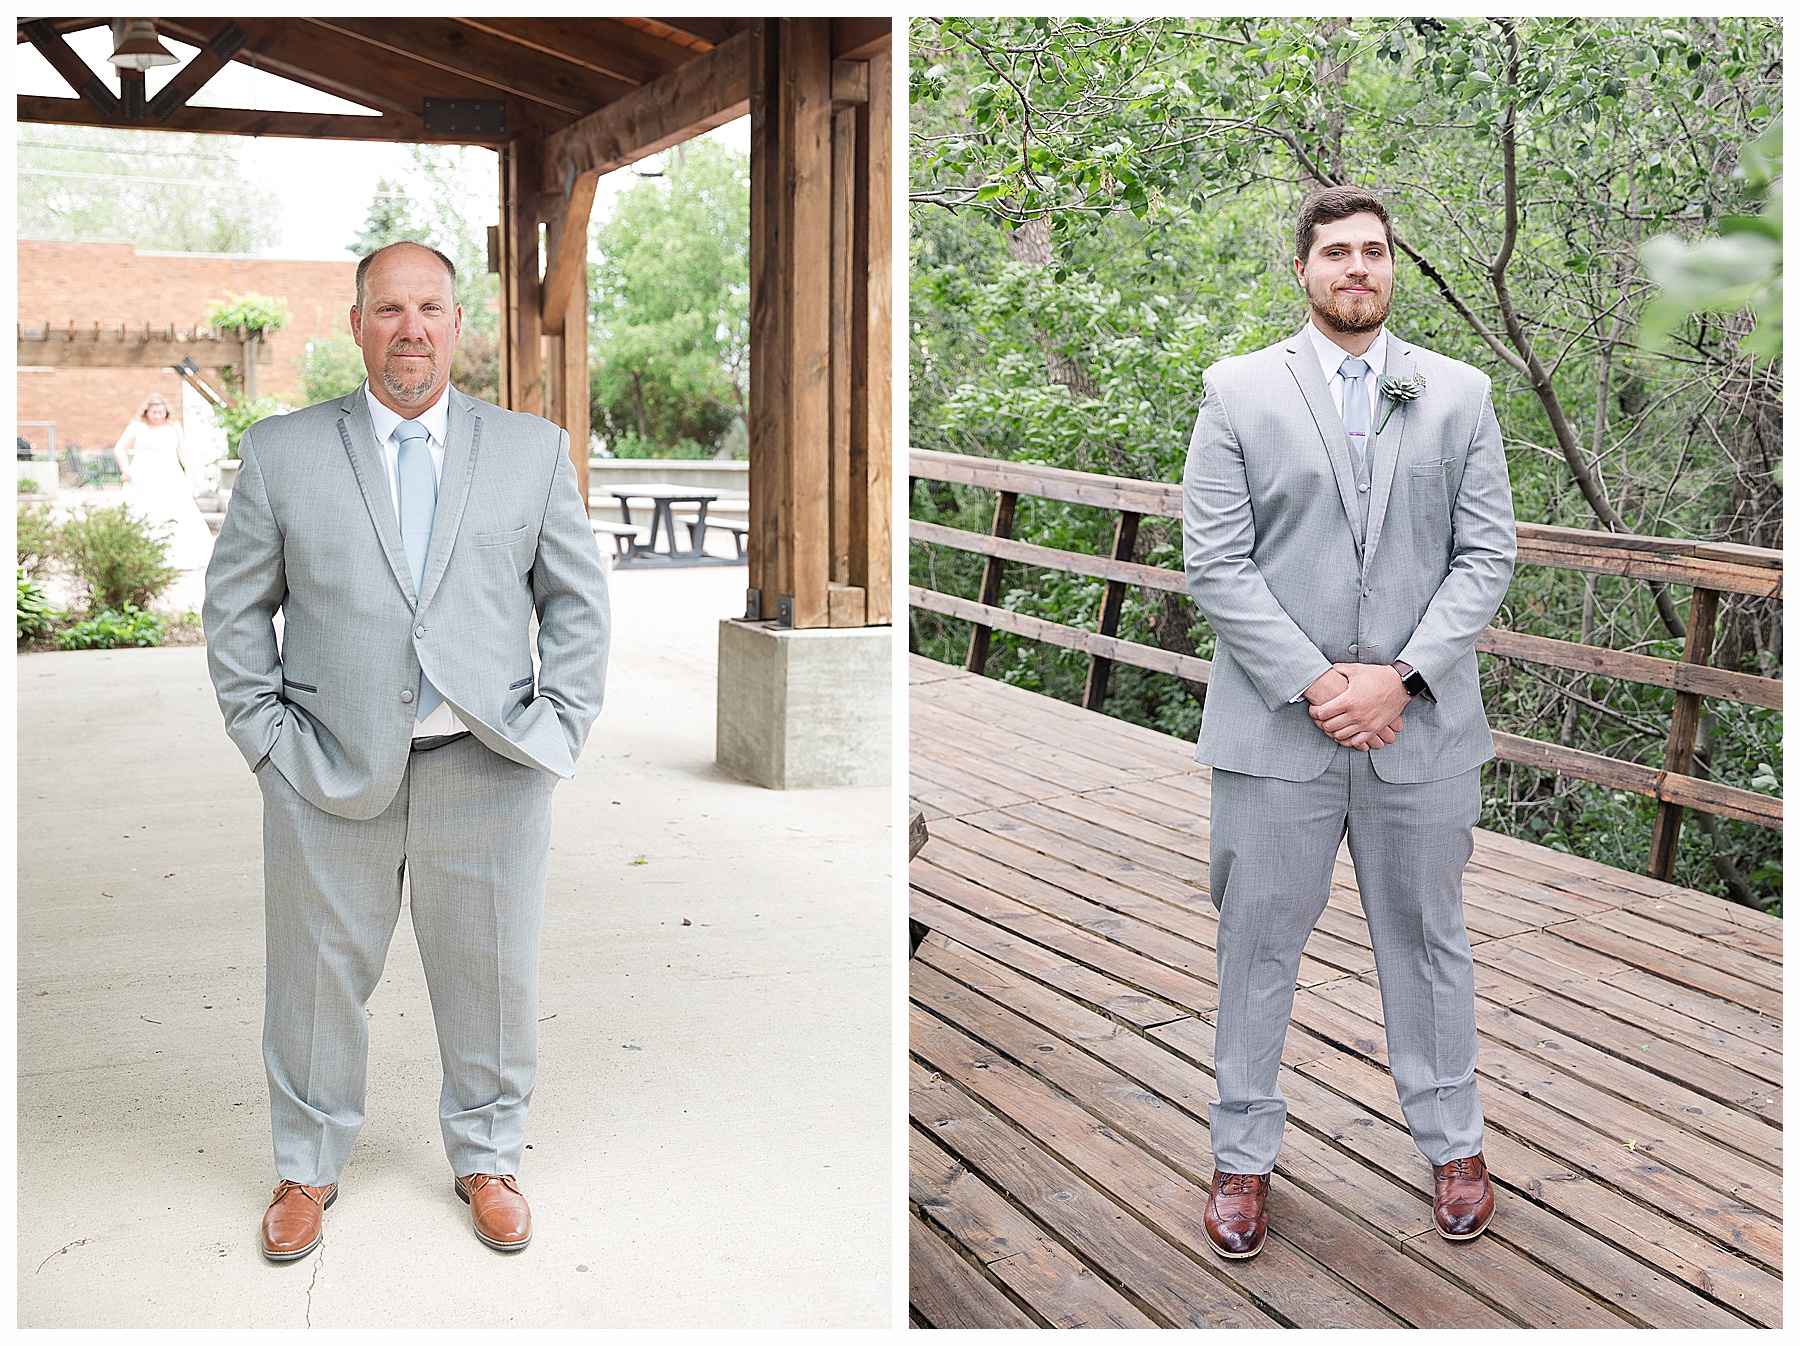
x,y
1351,314
399,386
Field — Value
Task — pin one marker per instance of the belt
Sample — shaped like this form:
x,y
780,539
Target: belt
x,y
432,742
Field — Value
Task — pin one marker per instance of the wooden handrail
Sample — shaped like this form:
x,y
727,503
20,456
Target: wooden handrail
x,y
1711,568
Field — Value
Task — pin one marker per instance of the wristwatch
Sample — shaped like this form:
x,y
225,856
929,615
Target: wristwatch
x,y
1413,680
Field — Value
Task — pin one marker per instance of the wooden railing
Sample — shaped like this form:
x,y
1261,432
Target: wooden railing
x,y
1711,568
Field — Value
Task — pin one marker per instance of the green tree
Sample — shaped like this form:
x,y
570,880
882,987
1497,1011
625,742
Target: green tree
x,y
329,367
389,221
158,189
670,289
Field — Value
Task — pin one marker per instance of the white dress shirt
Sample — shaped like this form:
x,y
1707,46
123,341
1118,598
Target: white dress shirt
x,y
1331,355
436,420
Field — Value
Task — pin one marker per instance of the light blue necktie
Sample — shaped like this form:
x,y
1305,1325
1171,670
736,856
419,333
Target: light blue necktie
x,y
1356,405
418,503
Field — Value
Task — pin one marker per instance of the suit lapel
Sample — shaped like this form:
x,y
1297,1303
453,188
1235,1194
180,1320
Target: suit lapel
x,y
462,434
1400,365
358,435
1303,364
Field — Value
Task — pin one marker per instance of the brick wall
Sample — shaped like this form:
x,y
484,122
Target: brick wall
x,y
112,283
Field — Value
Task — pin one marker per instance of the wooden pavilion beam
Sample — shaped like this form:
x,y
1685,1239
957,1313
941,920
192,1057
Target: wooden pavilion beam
x,y
75,71
507,67
712,31
192,77
768,395
602,45
860,38
871,503
247,122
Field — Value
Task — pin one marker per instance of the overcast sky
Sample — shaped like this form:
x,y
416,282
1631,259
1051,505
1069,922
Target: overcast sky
x,y
323,186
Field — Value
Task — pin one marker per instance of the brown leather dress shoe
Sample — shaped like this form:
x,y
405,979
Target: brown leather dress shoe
x,y
502,1219
295,1220
1237,1220
1465,1198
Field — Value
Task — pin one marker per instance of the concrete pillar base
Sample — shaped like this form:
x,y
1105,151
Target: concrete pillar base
x,y
804,710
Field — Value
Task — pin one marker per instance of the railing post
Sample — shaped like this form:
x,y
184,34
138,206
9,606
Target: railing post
x,y
1684,725
1125,530
990,581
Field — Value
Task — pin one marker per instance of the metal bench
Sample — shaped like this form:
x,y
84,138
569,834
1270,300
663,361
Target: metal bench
x,y
625,536
738,529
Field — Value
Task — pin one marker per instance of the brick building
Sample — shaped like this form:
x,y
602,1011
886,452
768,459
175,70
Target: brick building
x,y
112,283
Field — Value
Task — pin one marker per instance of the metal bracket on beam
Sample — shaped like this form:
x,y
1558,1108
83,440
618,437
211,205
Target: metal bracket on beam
x,y
753,605
479,118
784,611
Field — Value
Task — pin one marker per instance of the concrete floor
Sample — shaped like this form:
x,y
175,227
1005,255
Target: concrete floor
x,y
710,1137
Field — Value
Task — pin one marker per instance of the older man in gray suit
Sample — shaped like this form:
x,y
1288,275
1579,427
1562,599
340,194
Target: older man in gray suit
x,y
1349,532
407,535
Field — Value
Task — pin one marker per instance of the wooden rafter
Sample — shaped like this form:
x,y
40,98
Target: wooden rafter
x,y
233,121
192,77
710,32
71,67
602,45
506,67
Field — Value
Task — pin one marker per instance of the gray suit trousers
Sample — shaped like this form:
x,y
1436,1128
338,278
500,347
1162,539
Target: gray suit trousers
x,y
471,831
1273,845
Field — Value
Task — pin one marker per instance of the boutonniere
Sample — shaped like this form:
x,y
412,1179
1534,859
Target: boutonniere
x,y
1398,390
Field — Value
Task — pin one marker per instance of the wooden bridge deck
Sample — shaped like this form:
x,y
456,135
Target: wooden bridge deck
x,y
1062,1038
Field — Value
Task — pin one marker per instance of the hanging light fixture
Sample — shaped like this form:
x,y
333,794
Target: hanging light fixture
x,y
135,46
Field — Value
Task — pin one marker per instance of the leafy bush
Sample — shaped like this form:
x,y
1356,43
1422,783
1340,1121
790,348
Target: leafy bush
x,y
110,630
331,367
243,413
36,611
116,558
37,539
253,314
28,486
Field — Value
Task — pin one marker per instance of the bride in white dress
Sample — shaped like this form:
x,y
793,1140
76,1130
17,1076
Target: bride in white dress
x,y
157,485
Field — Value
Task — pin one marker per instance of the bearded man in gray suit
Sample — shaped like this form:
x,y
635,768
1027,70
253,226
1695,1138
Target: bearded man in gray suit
x,y
407,535
1348,531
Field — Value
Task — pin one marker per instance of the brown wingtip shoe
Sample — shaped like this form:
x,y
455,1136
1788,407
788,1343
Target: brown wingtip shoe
x,y
294,1223
1237,1218
502,1219
1465,1198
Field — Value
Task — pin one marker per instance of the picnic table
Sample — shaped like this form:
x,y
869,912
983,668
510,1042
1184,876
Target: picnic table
x,y
663,497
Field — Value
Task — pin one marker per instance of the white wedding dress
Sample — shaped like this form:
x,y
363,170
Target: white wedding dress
x,y
159,491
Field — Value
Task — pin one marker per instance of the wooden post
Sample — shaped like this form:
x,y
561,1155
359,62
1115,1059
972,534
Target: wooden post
x,y
805,180
768,384
577,414
520,279
1684,725
843,248
991,571
871,350
563,300
1125,530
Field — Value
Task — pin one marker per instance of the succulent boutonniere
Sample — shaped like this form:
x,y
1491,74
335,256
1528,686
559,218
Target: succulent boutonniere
x,y
1398,390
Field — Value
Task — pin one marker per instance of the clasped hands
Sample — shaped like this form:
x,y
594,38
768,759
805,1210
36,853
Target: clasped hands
x,y
1358,705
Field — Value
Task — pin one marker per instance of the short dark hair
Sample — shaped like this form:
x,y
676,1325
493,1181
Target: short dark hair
x,y
362,267
1336,203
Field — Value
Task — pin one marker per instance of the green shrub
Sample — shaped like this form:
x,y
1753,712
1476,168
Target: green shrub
x,y
116,559
37,539
331,367
255,314
28,486
110,630
36,611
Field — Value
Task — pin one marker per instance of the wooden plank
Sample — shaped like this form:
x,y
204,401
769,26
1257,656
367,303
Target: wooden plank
x,y
1069,977
1282,1281
390,126
1684,727
1614,556
1186,1292
841,259
1050,558
992,576
1036,1268
1727,801
695,96
861,38
1048,483
95,96
1125,531
1069,637
1701,679
566,271
947,1292
806,242
1178,1140
618,51
872,347
194,76
521,326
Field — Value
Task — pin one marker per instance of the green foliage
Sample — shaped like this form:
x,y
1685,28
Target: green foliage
x,y
330,367
109,630
251,314
36,539
28,486
36,612
1740,268
161,190
389,221
1104,207
115,558
670,291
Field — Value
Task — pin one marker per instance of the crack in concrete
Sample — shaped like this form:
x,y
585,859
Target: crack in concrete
x,y
318,1266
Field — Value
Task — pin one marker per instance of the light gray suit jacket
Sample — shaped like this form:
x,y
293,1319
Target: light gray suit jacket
x,y
1280,562
312,532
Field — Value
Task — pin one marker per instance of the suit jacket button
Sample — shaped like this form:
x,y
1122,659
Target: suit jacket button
x,y
1363,486
1353,649
419,631
407,696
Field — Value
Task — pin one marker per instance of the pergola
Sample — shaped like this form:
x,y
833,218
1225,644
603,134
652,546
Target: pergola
x,y
566,100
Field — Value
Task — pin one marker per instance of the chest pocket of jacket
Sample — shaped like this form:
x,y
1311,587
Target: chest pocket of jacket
x,y
1428,504
503,539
